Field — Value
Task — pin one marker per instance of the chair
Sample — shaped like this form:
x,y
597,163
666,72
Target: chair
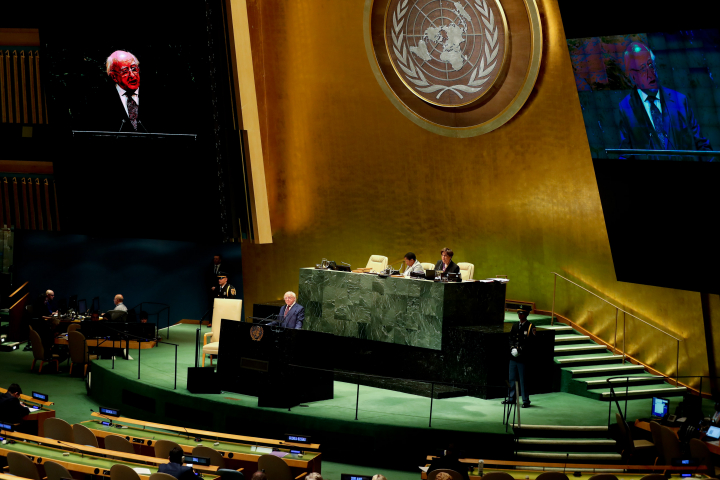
x,y
377,262
497,476
223,308
22,466
230,474
79,351
670,444
453,474
55,471
274,467
163,447
630,446
73,327
39,352
603,476
553,476
657,440
428,266
84,436
159,476
116,443
58,429
699,450
215,458
123,472
467,270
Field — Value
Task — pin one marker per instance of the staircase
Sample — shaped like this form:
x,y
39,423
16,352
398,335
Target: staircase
x,y
583,366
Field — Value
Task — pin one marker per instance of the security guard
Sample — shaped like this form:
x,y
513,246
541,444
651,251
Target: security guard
x,y
521,339
226,290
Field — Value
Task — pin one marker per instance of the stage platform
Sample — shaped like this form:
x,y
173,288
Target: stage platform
x,y
387,421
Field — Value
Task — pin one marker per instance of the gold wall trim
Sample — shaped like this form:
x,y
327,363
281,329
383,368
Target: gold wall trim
x,y
238,16
500,119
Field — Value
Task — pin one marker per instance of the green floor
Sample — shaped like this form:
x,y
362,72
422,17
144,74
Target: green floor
x,y
376,406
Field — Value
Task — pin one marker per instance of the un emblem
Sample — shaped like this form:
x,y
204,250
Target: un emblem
x,y
458,68
448,53
256,333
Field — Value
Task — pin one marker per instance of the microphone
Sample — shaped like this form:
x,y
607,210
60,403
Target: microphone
x,y
567,456
111,421
121,125
143,126
344,263
82,455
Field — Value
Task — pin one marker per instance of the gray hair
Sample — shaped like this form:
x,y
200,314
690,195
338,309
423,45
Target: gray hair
x,y
633,48
110,62
378,477
313,475
292,294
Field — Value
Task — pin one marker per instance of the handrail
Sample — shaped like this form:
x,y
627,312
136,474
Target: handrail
x,y
609,303
618,309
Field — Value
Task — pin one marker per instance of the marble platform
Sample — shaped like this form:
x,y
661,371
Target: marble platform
x,y
418,313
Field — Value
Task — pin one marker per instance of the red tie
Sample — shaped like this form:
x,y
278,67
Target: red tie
x,y
287,309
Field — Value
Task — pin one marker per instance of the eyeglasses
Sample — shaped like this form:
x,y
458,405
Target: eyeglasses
x,y
645,69
125,71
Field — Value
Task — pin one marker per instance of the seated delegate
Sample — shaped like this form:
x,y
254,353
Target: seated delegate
x,y
412,265
446,265
12,410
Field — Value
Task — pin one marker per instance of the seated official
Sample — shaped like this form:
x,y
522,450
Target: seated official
x,y
446,265
143,317
12,410
175,467
119,305
412,265
450,461
225,290
292,314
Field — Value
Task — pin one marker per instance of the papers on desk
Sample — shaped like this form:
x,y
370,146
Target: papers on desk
x,y
488,280
279,454
424,469
257,449
142,471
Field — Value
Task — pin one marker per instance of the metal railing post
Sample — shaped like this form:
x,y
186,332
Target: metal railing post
x,y
552,313
175,388
624,334
677,367
615,340
517,402
432,395
139,349
357,399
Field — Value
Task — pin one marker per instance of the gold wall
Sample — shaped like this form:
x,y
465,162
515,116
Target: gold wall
x,y
349,176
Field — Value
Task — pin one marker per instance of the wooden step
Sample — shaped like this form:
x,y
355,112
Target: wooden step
x,y
571,338
567,428
591,359
557,328
643,391
567,441
596,370
577,348
598,382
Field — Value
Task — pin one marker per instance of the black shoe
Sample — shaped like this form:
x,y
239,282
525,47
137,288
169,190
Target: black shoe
x,y
507,402
526,405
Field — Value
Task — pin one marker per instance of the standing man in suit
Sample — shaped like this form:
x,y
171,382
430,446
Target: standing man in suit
x,y
445,264
521,340
292,314
124,70
224,290
655,117
175,467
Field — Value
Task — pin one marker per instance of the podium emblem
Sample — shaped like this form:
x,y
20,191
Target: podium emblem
x,y
256,333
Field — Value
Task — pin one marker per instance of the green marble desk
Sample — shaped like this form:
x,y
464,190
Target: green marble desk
x,y
395,310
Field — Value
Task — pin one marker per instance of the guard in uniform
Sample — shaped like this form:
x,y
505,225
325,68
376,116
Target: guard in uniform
x,y
521,339
225,290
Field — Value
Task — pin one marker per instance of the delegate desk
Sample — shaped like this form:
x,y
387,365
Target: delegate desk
x,y
82,458
36,417
713,446
238,450
403,311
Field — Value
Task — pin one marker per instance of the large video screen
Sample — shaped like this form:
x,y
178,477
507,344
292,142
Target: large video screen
x,y
653,92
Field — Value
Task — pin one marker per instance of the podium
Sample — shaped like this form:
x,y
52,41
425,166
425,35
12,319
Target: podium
x,y
271,363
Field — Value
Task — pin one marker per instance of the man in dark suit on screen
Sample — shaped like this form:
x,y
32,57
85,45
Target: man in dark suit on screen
x,y
292,314
655,117
120,110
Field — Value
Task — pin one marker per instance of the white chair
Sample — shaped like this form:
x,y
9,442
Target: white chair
x,y
428,266
223,308
377,262
467,270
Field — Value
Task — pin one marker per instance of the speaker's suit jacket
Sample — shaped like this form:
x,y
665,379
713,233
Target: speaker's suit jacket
x,y
294,318
451,268
683,130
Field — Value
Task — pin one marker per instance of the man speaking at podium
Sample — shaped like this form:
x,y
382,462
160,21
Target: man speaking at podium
x,y
292,314
123,114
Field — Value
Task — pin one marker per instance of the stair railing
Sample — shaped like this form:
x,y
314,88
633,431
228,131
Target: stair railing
x,y
623,414
617,312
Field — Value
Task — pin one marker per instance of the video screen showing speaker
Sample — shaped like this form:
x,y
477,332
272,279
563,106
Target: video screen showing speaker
x,y
650,91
